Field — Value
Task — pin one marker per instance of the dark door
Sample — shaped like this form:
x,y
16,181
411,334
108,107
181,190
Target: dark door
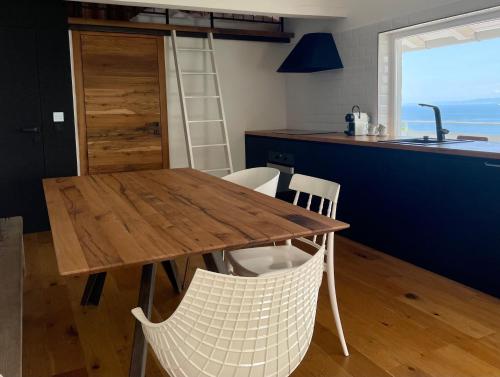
x,y
21,147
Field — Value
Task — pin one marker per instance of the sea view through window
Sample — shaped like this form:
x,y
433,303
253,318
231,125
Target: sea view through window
x,y
462,78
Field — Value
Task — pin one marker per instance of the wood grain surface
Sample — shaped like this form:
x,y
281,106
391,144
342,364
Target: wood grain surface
x,y
180,28
11,295
106,221
399,320
480,149
121,101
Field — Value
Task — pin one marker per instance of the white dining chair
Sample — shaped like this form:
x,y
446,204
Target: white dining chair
x,y
262,179
264,260
231,326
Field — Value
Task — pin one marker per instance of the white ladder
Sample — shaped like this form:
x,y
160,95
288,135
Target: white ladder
x,y
188,123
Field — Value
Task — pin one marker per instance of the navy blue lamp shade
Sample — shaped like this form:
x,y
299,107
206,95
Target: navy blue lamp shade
x,y
314,52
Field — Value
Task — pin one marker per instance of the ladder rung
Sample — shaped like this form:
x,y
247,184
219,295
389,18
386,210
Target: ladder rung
x,y
209,145
202,97
196,49
198,73
215,170
205,121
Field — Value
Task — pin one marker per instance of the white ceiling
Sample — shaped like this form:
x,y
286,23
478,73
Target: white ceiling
x,y
285,8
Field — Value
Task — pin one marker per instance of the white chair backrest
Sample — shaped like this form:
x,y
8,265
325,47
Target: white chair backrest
x,y
263,180
327,191
229,326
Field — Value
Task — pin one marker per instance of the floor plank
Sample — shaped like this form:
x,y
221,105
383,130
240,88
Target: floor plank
x,y
399,321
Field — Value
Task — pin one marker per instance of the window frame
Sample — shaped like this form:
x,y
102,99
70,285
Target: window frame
x,y
390,61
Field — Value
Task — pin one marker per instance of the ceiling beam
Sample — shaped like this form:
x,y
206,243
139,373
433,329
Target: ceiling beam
x,y
462,33
414,42
283,8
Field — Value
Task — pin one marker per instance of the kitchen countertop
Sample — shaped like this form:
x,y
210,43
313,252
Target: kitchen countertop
x,y
481,149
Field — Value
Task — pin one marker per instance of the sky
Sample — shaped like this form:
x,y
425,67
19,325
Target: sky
x,y
453,73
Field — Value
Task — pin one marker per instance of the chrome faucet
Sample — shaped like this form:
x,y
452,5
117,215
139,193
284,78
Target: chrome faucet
x,y
440,131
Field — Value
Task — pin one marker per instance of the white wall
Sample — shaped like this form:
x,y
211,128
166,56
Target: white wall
x,y
320,100
253,92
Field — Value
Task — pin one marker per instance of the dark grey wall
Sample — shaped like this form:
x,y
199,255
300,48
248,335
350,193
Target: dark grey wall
x,y
49,19
45,22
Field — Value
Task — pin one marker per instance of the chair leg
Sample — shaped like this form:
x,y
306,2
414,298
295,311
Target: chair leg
x,y
229,266
333,295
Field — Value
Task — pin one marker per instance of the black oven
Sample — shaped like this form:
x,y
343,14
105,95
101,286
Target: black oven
x,y
284,162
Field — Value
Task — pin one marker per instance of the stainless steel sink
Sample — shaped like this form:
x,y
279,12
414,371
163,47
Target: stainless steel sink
x,y
423,141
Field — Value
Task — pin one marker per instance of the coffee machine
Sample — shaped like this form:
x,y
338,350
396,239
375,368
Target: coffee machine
x,y
357,122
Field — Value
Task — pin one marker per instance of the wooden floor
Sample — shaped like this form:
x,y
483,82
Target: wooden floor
x,y
399,320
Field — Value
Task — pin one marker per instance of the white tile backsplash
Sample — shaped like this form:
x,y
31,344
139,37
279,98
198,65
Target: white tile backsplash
x,y
321,100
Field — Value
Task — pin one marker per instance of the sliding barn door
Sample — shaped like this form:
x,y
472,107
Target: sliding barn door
x,y
121,101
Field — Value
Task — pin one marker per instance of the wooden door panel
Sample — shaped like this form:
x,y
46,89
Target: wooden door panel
x,y
114,124
124,105
120,54
142,102
113,154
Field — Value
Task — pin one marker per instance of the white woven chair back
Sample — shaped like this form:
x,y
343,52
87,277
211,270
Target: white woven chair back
x,y
230,326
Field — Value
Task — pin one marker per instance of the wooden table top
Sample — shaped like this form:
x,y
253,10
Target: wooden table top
x,y
107,221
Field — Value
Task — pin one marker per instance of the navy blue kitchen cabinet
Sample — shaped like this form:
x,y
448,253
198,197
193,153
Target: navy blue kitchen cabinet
x,y
437,211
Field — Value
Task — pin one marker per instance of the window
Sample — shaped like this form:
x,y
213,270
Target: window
x,y
454,64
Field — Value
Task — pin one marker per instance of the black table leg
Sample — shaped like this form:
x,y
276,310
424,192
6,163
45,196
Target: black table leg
x,y
170,268
215,263
139,347
93,289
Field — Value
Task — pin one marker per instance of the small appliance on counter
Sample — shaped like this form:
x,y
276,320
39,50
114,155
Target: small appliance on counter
x,y
357,122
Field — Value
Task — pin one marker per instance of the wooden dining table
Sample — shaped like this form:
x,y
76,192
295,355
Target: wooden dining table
x,y
110,221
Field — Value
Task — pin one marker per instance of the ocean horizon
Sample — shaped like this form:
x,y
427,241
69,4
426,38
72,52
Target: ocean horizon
x,y
475,117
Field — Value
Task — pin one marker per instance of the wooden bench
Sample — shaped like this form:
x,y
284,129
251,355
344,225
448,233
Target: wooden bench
x,y
11,296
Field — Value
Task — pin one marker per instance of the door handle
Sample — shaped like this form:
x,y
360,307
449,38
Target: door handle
x,y
30,130
153,128
491,165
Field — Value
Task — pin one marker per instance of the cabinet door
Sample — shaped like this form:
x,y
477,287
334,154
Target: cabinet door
x,y
440,212
120,89
21,147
